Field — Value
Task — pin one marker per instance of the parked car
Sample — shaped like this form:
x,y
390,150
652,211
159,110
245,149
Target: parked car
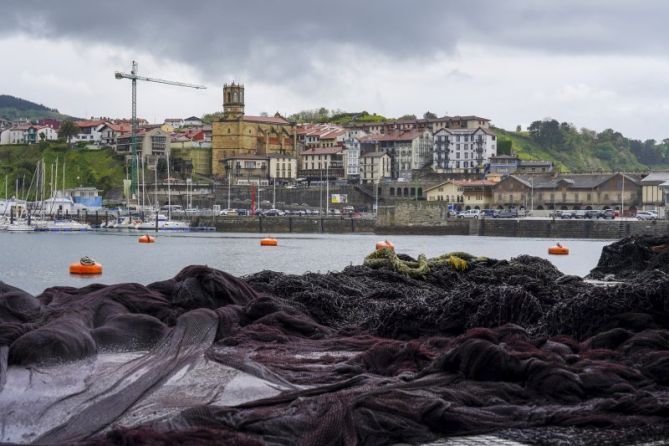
x,y
567,214
488,213
506,213
242,211
228,212
646,215
472,213
608,214
273,213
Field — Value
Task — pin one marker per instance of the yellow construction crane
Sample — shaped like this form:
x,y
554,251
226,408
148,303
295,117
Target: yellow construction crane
x,y
134,78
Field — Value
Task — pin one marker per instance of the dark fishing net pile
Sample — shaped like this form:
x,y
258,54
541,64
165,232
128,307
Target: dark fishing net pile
x,y
633,256
401,351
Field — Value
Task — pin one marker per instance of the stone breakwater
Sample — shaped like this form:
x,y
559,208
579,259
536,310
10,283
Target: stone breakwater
x,y
398,350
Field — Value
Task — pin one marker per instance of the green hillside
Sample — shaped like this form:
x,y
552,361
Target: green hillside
x,y
584,150
100,168
12,108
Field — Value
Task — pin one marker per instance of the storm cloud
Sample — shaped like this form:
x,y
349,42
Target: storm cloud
x,y
314,52
271,39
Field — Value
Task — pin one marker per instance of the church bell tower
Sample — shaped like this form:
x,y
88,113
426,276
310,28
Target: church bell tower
x,y
233,100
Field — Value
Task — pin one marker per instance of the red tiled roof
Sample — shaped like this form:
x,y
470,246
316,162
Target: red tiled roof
x,y
406,135
323,151
94,123
266,119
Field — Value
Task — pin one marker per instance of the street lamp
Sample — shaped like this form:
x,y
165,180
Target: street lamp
x,y
327,187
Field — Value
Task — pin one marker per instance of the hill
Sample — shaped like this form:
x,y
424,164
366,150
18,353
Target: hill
x,y
584,150
101,168
12,108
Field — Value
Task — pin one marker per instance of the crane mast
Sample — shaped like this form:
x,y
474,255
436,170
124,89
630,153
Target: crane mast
x,y
133,138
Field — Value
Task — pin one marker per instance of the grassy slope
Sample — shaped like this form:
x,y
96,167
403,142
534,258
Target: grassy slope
x,y
582,159
84,167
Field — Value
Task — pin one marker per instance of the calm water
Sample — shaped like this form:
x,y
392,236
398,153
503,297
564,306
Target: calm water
x,y
35,261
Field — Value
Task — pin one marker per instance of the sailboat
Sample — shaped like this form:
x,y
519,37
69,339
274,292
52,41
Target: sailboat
x,y
164,223
58,205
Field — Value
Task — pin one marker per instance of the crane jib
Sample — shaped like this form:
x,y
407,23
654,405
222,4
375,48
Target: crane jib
x,y
133,140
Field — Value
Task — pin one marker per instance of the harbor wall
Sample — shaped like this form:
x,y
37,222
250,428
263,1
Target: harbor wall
x,y
276,225
555,229
428,221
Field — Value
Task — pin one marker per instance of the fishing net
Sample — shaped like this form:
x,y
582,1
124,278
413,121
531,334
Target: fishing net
x,y
397,350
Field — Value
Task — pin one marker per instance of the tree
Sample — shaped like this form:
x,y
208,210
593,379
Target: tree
x,y
162,167
67,130
519,128
429,115
211,117
407,118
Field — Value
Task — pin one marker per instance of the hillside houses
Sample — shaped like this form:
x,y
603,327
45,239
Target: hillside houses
x,y
27,134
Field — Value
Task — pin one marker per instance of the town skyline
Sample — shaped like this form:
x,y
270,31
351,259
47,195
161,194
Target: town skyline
x,y
513,63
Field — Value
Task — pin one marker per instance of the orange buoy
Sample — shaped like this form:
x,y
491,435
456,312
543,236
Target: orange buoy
x,y
269,242
558,250
86,266
385,245
146,238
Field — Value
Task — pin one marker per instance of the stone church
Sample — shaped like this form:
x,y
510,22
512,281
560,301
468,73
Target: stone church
x,y
237,135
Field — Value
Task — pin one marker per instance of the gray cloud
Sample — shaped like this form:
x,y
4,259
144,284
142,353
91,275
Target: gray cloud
x,y
280,40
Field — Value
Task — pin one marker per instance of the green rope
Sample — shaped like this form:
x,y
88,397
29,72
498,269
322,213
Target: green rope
x,y
419,269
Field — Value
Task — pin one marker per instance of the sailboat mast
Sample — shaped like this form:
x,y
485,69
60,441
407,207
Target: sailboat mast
x,y
143,186
155,186
169,191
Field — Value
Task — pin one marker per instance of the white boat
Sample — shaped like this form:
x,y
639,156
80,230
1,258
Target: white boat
x,y
164,224
125,223
19,226
63,225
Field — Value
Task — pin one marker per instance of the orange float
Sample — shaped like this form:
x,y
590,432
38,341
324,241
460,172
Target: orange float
x,y
147,239
269,242
86,266
558,250
385,245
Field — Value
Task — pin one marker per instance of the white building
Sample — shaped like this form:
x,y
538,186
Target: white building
x,y
175,123
193,121
28,134
89,131
282,168
463,150
352,158
109,133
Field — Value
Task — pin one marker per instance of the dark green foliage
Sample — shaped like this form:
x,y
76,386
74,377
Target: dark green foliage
x,y
587,150
504,146
16,108
67,130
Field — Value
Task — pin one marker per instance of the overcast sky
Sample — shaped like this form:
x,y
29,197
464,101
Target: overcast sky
x,y
596,63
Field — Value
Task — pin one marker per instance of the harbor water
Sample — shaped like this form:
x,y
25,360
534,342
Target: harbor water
x,y
35,261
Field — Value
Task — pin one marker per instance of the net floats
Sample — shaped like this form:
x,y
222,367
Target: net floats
x,y
86,266
146,238
269,241
558,250
385,245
